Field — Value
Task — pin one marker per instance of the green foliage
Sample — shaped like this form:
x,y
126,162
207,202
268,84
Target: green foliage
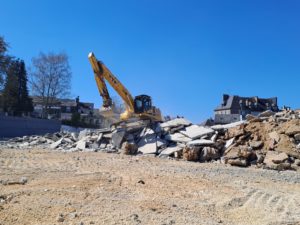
x,y
16,99
4,60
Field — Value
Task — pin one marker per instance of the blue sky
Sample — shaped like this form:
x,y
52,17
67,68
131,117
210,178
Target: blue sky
x,y
185,54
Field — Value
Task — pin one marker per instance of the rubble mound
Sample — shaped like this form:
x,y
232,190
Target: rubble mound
x,y
269,140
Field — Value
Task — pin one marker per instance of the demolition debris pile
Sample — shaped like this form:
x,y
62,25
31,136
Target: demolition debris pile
x,y
269,140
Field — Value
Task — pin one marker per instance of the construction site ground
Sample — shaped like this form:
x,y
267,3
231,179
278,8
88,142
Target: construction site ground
x,y
101,188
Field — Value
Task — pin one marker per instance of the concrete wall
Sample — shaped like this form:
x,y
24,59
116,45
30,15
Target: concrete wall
x,y
19,126
226,118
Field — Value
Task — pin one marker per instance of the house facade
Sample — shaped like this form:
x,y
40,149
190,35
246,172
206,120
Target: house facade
x,y
235,108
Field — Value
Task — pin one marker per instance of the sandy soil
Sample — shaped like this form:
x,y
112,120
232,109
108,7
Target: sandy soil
x,y
102,188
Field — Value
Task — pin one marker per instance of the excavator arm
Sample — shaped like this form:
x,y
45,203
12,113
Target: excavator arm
x,y
107,102
102,72
138,107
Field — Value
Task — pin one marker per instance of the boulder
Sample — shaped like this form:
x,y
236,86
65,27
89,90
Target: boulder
x,y
191,153
276,161
293,129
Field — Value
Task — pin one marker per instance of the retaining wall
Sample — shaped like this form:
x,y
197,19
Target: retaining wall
x,y
21,126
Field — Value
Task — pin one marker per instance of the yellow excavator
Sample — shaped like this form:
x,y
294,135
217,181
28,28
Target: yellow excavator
x,y
138,108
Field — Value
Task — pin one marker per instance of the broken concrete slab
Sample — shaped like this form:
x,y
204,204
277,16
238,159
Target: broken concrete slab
x,y
177,137
171,150
147,143
227,126
229,143
118,137
201,142
161,143
56,144
83,133
81,145
195,131
175,123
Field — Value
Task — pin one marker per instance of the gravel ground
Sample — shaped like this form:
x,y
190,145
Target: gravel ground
x,y
101,188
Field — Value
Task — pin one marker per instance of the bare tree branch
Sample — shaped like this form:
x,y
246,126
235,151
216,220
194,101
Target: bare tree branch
x,y
50,77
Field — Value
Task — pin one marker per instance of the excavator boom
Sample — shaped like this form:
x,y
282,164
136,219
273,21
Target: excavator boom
x,y
101,71
139,107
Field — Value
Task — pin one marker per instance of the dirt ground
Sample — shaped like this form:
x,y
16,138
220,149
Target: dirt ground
x,y
101,188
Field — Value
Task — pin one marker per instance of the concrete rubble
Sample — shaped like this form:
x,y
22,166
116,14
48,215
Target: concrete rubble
x,y
269,140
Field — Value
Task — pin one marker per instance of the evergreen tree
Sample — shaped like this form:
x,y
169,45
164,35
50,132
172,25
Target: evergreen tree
x,y
16,100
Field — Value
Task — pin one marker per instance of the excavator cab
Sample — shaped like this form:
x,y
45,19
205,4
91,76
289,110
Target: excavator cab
x,y
142,104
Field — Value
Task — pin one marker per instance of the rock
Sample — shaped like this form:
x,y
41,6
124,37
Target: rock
x,y
297,137
195,131
81,145
250,117
141,182
256,144
191,153
60,218
276,161
177,137
129,148
201,142
297,162
298,146
175,123
209,153
238,162
267,113
171,150
280,158
23,180
56,144
293,129
275,136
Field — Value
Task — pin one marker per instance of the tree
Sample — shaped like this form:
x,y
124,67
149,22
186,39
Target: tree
x,y
16,100
50,78
4,60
